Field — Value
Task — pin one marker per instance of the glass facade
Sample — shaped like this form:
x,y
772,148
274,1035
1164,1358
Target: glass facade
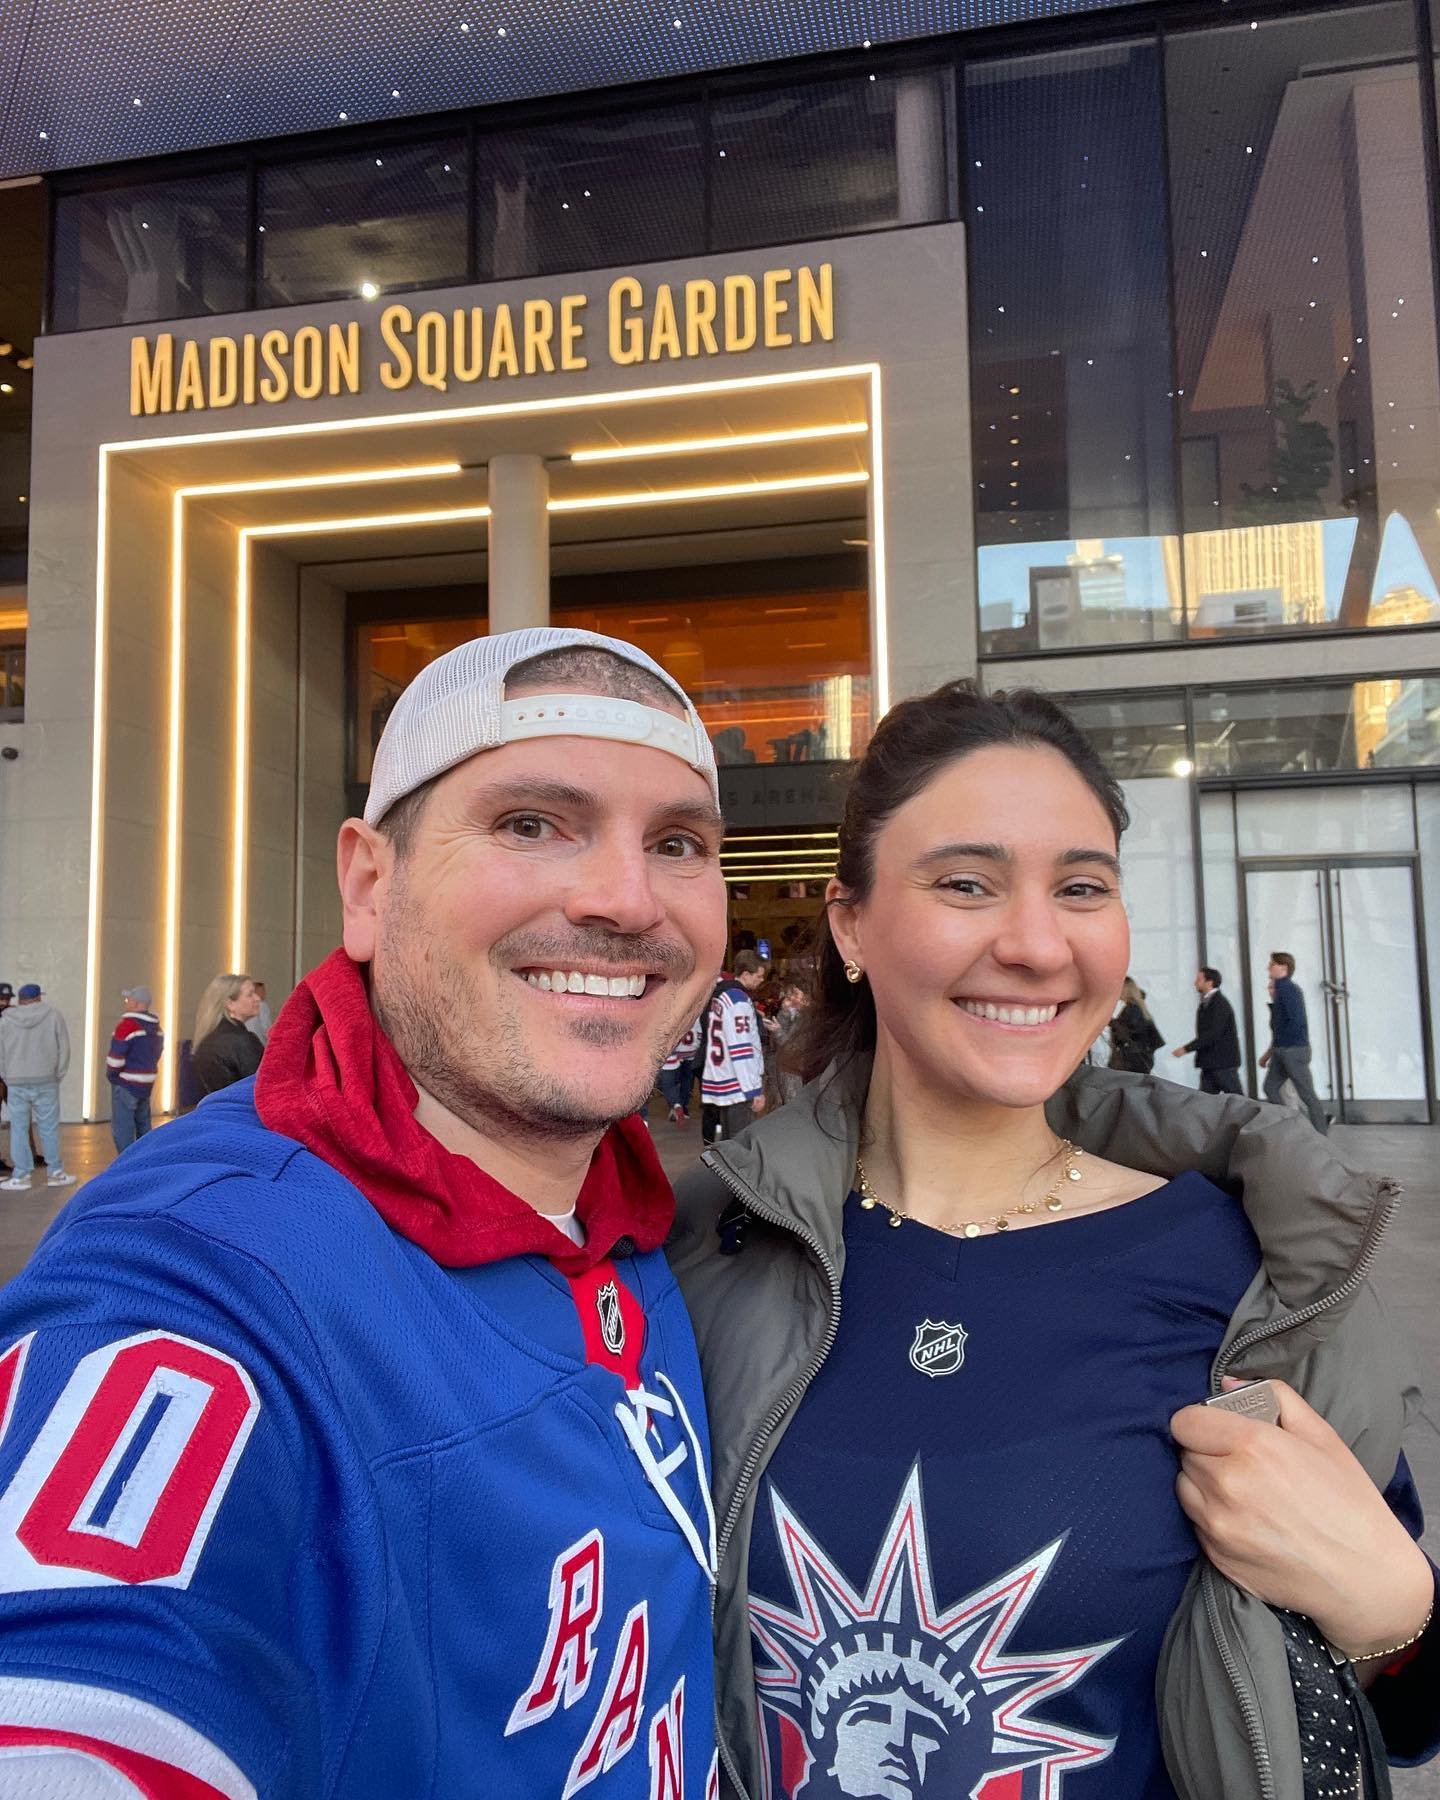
x,y
1207,393
13,619
170,249
1075,505
392,217
388,655
1139,735
1304,728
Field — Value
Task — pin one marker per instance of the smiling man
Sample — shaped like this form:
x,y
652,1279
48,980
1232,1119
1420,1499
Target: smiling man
x,y
353,1439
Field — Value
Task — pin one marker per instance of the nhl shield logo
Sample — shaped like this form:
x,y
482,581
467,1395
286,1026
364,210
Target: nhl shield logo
x,y
612,1320
939,1349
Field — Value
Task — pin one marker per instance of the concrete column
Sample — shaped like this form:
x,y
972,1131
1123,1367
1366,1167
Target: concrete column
x,y
920,148
519,543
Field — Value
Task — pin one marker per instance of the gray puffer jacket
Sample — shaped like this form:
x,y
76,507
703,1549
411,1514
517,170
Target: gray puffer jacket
x,y
765,1320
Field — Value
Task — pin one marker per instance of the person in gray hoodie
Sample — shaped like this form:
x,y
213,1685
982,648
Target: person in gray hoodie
x,y
34,1058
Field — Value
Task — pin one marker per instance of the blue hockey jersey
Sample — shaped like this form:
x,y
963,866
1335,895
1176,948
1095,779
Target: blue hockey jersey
x,y
288,1509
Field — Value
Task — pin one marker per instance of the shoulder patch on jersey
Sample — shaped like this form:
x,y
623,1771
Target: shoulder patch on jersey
x,y
125,1476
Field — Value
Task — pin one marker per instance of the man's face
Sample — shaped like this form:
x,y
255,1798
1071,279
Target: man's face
x,y
1276,970
1202,986
555,926
753,982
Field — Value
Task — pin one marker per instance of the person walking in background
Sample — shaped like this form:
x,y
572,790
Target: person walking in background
x,y
34,1058
677,1073
225,1049
732,1089
793,1001
1288,1058
1216,1042
134,1060
7,999
1134,1035
259,1026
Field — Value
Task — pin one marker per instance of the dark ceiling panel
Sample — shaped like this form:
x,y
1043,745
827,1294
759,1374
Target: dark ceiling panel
x,y
97,81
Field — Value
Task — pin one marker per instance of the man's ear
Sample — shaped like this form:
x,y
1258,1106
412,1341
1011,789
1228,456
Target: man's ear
x,y
364,864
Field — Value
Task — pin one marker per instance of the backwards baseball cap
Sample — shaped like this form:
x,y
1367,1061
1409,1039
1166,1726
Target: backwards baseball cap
x,y
140,994
457,706
30,991
6,991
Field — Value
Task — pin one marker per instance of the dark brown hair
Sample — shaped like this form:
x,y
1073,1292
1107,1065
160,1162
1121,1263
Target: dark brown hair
x,y
913,743
1285,959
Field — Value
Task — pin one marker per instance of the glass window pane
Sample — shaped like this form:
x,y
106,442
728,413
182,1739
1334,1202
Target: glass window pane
x,y
829,157
1137,734
167,250
1304,729
389,654
393,215
782,679
1070,351
1310,396
590,193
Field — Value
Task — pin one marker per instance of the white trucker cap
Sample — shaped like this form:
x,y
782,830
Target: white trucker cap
x,y
457,706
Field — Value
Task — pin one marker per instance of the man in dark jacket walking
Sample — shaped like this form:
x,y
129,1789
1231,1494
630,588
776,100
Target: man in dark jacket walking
x,y
1216,1042
1288,1058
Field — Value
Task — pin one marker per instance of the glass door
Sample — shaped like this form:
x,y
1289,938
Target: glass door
x,y
1351,925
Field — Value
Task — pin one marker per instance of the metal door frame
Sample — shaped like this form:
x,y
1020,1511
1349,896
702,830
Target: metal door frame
x,y
1347,1111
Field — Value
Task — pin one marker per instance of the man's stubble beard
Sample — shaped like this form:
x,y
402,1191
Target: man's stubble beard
x,y
477,1066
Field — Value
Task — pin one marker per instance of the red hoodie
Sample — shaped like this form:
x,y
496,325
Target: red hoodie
x,y
333,1081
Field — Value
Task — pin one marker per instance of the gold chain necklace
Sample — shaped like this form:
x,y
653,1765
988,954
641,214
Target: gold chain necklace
x,y
973,1228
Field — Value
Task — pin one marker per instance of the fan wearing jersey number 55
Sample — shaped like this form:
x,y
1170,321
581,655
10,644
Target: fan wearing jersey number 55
x,y
352,1444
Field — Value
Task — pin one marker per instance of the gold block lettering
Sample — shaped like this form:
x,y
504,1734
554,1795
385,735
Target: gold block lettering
x,y
190,388
309,362
224,371
432,351
398,369
739,312
776,307
572,332
276,385
539,330
152,375
627,333
343,365
816,304
504,358
701,301
664,326
469,329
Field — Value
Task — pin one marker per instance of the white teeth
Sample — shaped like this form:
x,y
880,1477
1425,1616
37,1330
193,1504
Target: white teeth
x,y
575,982
1009,1015
558,981
542,981
618,987
605,987
637,986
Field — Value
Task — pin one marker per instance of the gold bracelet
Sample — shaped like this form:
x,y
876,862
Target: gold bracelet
x,y
1395,1649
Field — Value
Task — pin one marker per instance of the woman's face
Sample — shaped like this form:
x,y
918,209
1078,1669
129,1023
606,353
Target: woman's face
x,y
994,937
246,1003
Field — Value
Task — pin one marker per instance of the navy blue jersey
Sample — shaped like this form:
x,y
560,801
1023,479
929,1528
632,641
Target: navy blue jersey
x,y
288,1509
968,1545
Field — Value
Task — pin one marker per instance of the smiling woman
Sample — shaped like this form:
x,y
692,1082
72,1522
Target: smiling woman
x,y
1011,1281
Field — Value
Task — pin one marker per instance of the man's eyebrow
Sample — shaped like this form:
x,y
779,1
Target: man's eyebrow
x,y
539,789
999,854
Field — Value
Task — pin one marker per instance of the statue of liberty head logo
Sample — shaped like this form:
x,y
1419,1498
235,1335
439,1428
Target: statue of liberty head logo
x,y
879,1694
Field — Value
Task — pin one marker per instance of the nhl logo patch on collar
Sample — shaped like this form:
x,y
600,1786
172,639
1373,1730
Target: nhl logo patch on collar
x,y
939,1349
612,1319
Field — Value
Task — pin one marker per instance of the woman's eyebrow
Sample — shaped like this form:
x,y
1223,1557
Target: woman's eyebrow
x,y
998,853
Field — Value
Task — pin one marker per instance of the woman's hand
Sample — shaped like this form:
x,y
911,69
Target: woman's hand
x,y
1288,1514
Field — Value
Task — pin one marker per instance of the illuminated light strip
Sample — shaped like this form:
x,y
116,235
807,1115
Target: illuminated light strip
x,y
779,875
510,409
338,478
240,791
879,584
97,791
365,522
729,490
174,797
174,801
740,440
776,837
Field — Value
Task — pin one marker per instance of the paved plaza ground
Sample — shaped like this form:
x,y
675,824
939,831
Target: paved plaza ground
x,y
1408,1272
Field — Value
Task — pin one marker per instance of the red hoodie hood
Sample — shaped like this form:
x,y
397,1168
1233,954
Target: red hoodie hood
x,y
334,1082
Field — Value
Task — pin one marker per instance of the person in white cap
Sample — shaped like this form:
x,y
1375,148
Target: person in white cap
x,y
355,1442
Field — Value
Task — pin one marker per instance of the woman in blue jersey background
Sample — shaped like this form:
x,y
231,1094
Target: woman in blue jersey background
x,y
957,1306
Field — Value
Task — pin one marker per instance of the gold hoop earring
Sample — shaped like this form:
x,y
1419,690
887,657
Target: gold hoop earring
x,y
853,972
